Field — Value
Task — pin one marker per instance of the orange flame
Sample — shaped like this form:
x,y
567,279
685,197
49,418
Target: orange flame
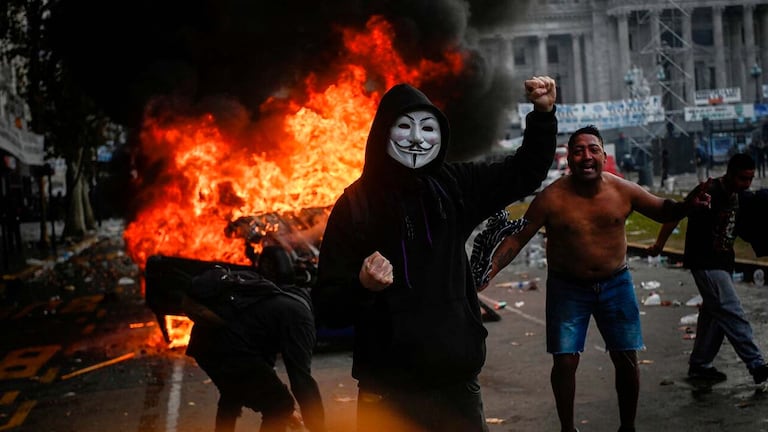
x,y
316,149
312,151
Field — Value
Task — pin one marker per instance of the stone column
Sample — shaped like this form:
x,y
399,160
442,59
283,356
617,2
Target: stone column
x,y
764,37
717,32
600,74
624,50
688,66
589,69
750,54
578,71
655,29
749,33
509,55
542,63
735,53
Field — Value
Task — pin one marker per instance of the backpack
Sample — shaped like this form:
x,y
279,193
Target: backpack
x,y
227,292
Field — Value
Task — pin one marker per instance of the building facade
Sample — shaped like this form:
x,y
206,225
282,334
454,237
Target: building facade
x,y
612,50
590,46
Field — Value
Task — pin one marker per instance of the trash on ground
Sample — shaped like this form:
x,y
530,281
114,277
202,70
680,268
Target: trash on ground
x,y
652,300
650,285
522,285
496,304
695,301
758,277
689,319
98,366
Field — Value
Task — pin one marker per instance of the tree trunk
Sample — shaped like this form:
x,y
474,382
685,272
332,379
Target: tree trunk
x,y
90,220
74,223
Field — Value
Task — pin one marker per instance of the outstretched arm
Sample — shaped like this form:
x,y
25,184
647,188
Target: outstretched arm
x,y
664,209
664,233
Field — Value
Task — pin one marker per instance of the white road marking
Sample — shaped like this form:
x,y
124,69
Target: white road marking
x,y
174,397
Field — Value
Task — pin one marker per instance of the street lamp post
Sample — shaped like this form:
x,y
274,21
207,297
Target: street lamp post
x,y
756,71
629,80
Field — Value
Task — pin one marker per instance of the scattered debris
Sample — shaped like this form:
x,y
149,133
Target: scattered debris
x,y
652,300
523,285
650,285
98,366
695,301
496,304
689,319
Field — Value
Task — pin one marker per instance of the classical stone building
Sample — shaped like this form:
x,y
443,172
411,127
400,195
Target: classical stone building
x,y
591,45
608,50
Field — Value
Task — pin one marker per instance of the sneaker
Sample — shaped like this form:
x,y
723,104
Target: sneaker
x,y
760,374
706,373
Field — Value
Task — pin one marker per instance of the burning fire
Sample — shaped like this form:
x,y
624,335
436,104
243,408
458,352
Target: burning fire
x,y
209,180
315,148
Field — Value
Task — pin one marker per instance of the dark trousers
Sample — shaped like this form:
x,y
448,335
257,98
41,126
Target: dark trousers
x,y
250,383
456,407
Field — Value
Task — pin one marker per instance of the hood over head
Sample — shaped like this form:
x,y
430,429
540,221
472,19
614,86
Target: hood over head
x,y
401,98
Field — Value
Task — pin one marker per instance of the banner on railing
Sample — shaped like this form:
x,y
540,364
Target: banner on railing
x,y
603,115
717,96
720,112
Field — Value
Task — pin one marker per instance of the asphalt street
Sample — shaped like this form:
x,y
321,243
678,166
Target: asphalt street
x,y
82,353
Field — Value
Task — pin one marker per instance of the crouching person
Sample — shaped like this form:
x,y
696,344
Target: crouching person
x,y
242,321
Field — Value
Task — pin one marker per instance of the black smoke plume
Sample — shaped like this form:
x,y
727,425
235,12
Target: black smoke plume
x,y
126,53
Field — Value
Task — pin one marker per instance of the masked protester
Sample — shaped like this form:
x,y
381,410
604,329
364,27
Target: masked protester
x,y
400,273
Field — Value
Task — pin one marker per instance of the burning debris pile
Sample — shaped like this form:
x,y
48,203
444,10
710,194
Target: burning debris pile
x,y
205,187
221,186
296,233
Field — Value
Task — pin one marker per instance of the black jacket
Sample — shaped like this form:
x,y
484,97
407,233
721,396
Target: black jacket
x,y
751,220
256,329
426,327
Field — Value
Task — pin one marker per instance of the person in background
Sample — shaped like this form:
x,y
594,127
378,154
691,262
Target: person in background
x,y
701,158
710,257
664,167
584,214
761,153
401,276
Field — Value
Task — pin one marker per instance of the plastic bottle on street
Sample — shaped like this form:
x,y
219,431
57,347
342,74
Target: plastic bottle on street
x,y
758,277
653,300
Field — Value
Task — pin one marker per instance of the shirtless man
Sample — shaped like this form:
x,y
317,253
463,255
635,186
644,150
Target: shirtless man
x,y
584,214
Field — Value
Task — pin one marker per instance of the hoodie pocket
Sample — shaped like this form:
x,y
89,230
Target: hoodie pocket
x,y
439,341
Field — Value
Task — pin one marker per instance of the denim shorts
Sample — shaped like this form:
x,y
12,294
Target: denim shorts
x,y
611,301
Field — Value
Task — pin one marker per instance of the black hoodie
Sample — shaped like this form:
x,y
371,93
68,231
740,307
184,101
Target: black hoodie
x,y
425,328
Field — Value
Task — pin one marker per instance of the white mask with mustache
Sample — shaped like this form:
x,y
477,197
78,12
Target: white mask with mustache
x,y
414,139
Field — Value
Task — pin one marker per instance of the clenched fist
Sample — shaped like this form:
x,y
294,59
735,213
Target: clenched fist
x,y
542,92
376,272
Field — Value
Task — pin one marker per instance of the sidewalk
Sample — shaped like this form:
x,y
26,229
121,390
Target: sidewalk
x,y
34,261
